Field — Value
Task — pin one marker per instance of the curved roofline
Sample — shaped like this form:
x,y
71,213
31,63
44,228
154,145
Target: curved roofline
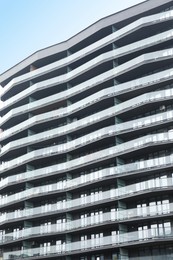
x,y
86,32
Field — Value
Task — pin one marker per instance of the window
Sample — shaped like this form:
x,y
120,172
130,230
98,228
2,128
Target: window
x,y
96,239
143,232
84,241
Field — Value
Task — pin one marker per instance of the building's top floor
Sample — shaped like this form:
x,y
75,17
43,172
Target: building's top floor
x,y
91,34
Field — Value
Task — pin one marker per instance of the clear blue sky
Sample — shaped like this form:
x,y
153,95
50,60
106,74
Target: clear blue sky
x,y
29,25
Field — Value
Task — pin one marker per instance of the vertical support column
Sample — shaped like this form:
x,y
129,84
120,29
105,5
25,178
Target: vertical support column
x,y
68,217
122,227
29,148
30,83
68,67
117,119
124,254
68,157
68,103
118,140
69,53
114,46
115,82
115,64
68,85
30,132
116,101
68,197
29,167
119,161
28,185
31,99
28,204
26,245
68,238
32,67
121,207
114,29
27,225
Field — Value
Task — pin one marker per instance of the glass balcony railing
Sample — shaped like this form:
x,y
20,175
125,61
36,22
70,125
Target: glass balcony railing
x,y
142,22
127,105
146,58
120,128
130,190
94,176
60,96
133,145
103,218
90,244
122,107
65,185
133,167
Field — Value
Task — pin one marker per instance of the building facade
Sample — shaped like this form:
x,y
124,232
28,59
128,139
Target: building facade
x,y
87,143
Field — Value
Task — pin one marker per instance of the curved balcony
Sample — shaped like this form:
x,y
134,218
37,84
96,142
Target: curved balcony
x,y
104,57
82,87
94,199
154,234
110,112
146,58
130,146
142,22
137,167
129,126
71,145
132,168
90,222
71,184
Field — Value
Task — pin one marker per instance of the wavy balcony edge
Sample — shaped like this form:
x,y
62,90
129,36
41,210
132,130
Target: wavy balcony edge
x,y
145,21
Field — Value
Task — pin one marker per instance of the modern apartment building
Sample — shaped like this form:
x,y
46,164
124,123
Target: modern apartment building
x,y
87,143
